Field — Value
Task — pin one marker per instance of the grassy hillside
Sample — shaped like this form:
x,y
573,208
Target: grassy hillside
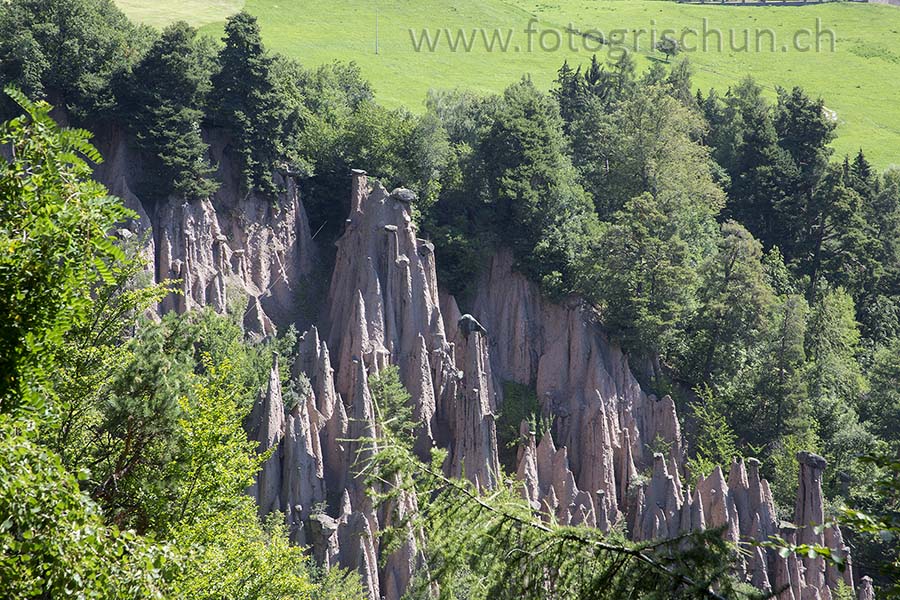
x,y
860,80
195,12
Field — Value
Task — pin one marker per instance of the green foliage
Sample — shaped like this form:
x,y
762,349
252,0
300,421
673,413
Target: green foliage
x,y
245,100
840,243
644,283
833,342
782,469
139,406
165,96
213,521
882,520
761,173
53,541
782,375
734,301
393,403
520,404
843,592
715,443
805,131
91,355
882,404
543,213
53,245
67,52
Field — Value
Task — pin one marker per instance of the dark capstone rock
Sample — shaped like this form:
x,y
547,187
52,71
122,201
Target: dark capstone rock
x,y
404,195
813,460
467,324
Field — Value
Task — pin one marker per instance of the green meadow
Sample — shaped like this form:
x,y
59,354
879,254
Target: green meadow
x,y
859,76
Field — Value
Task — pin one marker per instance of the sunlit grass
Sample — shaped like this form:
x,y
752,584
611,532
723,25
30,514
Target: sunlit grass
x,y
860,80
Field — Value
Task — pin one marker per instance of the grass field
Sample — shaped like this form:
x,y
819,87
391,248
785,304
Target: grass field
x,y
195,12
860,79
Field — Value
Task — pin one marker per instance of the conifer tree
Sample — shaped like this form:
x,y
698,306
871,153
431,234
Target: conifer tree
x,y
804,131
839,245
644,282
782,383
568,93
735,300
169,87
762,174
533,187
245,100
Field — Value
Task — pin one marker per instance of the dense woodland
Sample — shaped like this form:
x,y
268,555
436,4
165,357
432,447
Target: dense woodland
x,y
750,274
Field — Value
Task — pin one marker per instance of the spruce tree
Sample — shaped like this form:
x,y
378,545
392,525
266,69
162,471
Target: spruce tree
x,y
568,93
804,131
169,87
839,245
246,101
544,213
763,176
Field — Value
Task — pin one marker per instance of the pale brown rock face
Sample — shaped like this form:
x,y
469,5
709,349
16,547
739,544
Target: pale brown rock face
x,y
473,436
564,352
810,511
230,250
866,591
384,308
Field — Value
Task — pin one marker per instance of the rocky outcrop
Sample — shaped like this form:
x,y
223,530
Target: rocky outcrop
x,y
866,591
223,252
291,479
347,541
809,517
383,301
549,486
303,485
232,250
313,361
809,512
384,309
267,427
473,436
581,376
743,508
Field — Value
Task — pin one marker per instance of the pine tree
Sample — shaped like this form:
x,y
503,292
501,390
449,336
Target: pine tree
x,y
862,176
832,343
